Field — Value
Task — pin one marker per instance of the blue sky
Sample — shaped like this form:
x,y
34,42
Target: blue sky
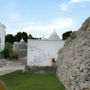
x,y
40,17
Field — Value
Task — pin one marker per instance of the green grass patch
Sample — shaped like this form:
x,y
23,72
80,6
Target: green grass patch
x,y
20,81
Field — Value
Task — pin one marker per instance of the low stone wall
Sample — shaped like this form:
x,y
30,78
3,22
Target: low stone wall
x,y
38,69
2,62
23,60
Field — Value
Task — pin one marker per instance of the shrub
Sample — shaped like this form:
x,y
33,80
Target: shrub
x,y
14,55
6,53
7,50
66,35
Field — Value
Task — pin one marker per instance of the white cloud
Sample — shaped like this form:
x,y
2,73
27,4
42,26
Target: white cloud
x,y
79,1
58,24
63,23
63,7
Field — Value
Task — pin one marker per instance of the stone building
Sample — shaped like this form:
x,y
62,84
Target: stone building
x,y
41,52
20,48
2,36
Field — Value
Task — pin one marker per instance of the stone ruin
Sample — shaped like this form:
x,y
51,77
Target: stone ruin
x,y
73,64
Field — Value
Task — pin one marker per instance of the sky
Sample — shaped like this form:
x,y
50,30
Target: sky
x,y
41,17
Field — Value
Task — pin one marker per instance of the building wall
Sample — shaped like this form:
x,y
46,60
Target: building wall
x,y
41,52
2,37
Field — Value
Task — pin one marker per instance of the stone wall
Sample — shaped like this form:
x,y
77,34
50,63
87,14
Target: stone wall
x,y
2,62
73,64
20,49
21,52
40,69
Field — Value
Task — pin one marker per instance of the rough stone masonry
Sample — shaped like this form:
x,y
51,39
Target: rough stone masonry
x,y
73,64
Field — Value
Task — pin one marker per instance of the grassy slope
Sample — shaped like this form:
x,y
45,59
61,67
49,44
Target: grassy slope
x,y
19,81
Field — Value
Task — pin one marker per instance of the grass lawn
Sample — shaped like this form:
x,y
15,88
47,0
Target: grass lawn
x,y
19,81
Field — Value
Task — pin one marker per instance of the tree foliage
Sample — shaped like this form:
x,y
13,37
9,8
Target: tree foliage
x,y
66,35
9,38
7,50
18,36
24,36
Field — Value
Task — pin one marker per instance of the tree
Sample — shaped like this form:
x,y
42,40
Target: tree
x,y
7,50
18,36
9,38
24,36
66,35
6,53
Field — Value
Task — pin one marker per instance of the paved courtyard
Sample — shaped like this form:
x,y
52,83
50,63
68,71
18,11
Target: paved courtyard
x,y
11,67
